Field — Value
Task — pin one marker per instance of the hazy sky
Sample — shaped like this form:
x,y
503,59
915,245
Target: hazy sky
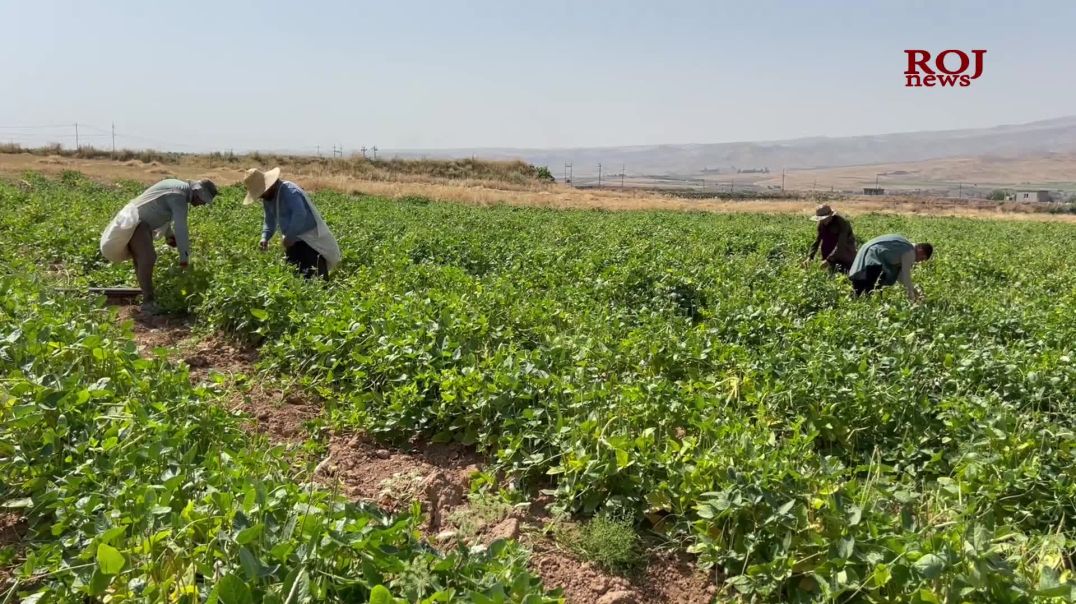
x,y
199,74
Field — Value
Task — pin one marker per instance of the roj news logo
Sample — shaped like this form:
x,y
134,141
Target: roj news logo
x,y
947,68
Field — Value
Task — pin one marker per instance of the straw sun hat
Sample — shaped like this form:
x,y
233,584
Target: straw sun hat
x,y
258,182
822,212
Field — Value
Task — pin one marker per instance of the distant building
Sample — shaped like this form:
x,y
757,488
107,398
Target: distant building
x,y
1040,195
873,191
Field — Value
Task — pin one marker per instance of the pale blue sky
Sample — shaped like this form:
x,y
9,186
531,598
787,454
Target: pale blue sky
x,y
219,74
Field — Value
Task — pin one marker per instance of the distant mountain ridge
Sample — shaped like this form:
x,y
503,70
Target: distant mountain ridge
x,y
1039,137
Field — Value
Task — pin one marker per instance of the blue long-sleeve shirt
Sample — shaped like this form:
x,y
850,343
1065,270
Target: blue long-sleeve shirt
x,y
295,216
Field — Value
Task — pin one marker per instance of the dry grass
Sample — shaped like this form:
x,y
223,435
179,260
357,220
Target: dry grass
x,y
516,173
315,177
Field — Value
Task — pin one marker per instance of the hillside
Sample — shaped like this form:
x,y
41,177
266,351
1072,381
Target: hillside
x,y
1052,171
1048,136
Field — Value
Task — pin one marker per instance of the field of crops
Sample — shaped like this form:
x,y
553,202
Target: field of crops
x,y
679,368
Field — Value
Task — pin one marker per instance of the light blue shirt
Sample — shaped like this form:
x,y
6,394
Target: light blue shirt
x,y
295,216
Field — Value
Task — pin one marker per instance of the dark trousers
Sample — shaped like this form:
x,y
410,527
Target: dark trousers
x,y
866,281
307,260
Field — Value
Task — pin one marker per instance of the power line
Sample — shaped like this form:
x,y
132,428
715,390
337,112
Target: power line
x,y
97,128
55,136
52,126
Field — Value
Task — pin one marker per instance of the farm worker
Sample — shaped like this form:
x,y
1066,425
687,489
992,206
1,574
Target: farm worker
x,y
835,238
160,209
884,261
308,243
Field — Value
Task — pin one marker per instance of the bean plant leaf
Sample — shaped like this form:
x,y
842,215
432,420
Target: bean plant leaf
x,y
381,595
930,566
845,546
233,590
109,559
249,534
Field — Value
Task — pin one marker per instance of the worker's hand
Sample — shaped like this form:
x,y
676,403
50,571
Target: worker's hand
x,y
823,263
806,262
171,241
184,265
263,244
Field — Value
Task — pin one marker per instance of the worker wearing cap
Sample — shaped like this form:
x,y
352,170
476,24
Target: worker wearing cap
x,y
884,261
835,238
163,209
308,243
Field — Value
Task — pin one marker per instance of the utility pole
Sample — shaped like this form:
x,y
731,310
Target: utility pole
x,y
76,136
960,191
319,150
732,185
876,180
113,138
374,150
599,175
782,180
364,151
622,177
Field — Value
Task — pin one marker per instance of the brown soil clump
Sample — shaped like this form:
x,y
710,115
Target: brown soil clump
x,y
667,578
437,476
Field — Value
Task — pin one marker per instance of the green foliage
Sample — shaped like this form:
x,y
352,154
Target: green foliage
x,y
998,195
542,173
135,486
608,540
676,367
483,510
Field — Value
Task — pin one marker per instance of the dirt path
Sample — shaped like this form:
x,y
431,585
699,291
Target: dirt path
x,y
438,476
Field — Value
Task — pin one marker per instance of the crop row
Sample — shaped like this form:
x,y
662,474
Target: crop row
x,y
684,369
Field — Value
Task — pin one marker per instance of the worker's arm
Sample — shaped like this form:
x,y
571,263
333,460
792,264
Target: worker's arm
x,y
817,242
269,225
907,261
179,228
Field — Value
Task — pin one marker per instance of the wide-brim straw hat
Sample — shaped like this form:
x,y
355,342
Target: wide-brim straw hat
x,y
258,182
822,212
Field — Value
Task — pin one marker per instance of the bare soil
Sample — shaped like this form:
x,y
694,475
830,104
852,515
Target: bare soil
x,y
438,476
666,578
275,410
